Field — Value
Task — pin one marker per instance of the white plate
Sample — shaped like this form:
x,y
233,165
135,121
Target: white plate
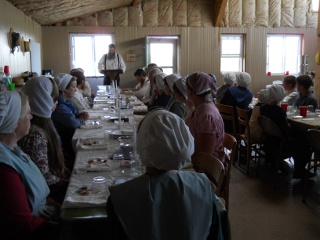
x,y
90,144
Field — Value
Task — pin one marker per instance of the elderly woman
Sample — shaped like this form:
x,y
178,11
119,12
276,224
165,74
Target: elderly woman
x,y
174,105
42,143
239,96
205,122
77,99
66,117
229,81
164,203
23,189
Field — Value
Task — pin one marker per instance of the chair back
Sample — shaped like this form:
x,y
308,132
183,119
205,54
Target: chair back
x,y
269,127
214,169
313,136
230,147
227,114
243,121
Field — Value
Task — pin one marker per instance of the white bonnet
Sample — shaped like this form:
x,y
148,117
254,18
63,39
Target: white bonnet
x,y
229,78
181,85
164,141
159,80
243,79
62,80
39,91
10,109
276,93
263,96
170,79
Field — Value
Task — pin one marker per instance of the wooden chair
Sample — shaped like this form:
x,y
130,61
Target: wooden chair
x,y
227,114
244,138
313,136
213,168
230,148
271,129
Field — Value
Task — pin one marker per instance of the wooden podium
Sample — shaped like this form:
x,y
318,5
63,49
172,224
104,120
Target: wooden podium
x,y
112,73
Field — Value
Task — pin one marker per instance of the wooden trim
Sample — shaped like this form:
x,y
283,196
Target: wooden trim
x,y
219,11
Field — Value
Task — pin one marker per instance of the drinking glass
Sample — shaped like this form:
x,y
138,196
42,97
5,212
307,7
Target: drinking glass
x,y
99,184
119,159
81,170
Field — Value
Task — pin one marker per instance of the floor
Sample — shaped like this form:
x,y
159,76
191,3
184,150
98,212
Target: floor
x,y
257,211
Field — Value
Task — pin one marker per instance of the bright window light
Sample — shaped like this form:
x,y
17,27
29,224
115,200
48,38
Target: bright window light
x,y
231,53
315,5
87,50
283,54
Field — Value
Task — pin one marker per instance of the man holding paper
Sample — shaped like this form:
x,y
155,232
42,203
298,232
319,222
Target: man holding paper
x,y
111,61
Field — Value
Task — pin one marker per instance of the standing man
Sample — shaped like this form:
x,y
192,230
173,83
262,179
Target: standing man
x,y
111,61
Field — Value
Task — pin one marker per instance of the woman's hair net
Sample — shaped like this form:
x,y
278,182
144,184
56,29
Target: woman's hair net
x,y
10,109
62,80
159,80
243,79
200,83
164,141
229,78
39,91
276,93
171,79
263,96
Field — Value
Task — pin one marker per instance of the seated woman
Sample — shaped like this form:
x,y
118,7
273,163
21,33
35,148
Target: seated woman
x,y
66,117
158,99
174,105
24,192
77,99
42,143
85,88
229,79
164,203
180,91
273,111
205,122
239,96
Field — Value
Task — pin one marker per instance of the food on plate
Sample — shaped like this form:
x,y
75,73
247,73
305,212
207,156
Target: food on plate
x,y
89,142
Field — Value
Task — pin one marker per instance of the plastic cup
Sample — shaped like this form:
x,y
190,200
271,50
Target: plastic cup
x,y
303,111
284,106
99,184
12,86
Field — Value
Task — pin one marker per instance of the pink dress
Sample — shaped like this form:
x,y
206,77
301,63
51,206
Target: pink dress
x,y
207,119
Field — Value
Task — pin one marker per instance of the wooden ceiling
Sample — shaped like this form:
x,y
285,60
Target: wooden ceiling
x,y
51,12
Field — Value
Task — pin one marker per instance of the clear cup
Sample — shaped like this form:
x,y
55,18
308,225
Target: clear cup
x,y
99,184
81,171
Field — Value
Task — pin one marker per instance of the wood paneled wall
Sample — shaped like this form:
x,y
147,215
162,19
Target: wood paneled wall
x,y
199,48
12,17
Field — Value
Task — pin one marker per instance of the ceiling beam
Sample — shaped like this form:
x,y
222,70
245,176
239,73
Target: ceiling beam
x,y
219,11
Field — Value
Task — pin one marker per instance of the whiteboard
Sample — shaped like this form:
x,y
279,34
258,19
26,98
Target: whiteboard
x,y
35,57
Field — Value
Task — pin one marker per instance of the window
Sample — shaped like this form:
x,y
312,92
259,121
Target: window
x,y
87,50
162,50
315,6
232,53
283,54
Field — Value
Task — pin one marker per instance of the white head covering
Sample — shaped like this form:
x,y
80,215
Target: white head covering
x,y
243,79
229,78
39,91
263,96
62,80
181,85
159,80
171,79
10,108
164,141
153,72
276,93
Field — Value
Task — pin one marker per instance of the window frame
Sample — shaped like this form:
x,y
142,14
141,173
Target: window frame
x,y
173,39
94,59
241,55
283,60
